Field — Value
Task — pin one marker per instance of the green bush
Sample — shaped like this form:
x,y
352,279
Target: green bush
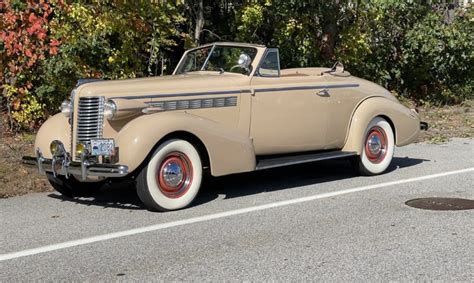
x,y
94,39
410,47
439,59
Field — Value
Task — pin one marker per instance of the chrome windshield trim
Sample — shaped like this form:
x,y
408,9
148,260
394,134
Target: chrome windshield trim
x,y
208,57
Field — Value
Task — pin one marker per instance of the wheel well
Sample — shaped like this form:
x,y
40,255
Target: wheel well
x,y
191,138
386,118
183,135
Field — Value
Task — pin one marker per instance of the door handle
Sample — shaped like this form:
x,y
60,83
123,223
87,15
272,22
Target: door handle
x,y
324,92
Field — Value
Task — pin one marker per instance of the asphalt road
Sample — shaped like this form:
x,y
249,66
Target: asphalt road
x,y
310,222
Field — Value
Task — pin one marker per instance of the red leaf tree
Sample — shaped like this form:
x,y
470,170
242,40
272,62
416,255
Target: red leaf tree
x,y
24,42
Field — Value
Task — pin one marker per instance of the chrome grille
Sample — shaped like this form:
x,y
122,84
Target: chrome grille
x,y
90,117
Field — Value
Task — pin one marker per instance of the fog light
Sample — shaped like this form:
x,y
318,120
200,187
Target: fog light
x,y
53,148
80,148
57,148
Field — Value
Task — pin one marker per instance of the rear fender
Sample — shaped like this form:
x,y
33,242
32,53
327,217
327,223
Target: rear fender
x,y
229,151
405,122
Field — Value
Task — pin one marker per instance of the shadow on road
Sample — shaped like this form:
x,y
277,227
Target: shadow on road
x,y
123,196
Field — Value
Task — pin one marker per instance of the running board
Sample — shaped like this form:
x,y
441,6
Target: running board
x,y
272,162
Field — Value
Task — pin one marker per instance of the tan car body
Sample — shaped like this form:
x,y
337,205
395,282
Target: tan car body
x,y
302,110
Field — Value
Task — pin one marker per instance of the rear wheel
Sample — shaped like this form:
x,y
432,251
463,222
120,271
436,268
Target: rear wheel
x,y
172,178
379,146
71,187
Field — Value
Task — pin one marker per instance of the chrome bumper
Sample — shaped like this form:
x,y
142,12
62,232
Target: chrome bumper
x,y
63,165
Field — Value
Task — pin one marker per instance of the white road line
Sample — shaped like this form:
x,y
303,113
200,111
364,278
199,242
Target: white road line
x,y
156,227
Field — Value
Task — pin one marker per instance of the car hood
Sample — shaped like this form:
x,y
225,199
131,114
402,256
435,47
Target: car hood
x,y
157,86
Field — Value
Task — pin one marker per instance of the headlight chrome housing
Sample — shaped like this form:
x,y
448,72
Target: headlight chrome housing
x,y
66,108
110,108
57,148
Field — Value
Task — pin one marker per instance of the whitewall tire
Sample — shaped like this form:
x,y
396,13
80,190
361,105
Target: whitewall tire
x,y
378,148
172,178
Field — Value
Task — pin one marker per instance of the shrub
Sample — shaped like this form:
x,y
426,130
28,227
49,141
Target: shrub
x,y
50,46
26,42
439,59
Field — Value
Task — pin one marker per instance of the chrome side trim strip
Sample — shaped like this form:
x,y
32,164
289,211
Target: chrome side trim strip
x,y
182,94
204,93
305,87
158,106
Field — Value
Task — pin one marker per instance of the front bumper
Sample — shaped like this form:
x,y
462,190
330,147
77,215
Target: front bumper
x,y
63,165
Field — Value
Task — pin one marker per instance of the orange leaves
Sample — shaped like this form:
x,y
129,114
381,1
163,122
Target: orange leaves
x,y
28,53
32,18
25,36
54,42
16,104
53,51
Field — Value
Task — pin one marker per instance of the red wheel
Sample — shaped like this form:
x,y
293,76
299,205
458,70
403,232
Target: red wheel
x,y
376,144
175,175
378,148
172,178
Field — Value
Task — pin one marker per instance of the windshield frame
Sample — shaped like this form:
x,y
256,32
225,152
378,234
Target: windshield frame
x,y
212,47
208,57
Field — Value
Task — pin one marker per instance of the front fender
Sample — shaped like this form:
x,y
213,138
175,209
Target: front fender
x,y
229,151
405,122
55,128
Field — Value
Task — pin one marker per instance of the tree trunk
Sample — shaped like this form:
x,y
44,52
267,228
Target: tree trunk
x,y
329,40
330,29
199,21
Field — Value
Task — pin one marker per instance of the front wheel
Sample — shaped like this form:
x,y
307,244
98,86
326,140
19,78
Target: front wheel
x,y
172,177
379,146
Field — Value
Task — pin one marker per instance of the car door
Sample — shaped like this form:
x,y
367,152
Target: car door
x,y
288,114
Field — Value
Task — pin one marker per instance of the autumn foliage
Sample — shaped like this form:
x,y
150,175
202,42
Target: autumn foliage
x,y
26,42
419,50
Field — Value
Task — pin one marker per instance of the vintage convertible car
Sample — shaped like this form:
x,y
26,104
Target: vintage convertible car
x,y
227,108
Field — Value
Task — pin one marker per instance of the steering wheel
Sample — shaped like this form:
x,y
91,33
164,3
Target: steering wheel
x,y
235,67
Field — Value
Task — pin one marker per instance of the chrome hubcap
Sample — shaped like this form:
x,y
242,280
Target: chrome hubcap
x,y
173,174
375,144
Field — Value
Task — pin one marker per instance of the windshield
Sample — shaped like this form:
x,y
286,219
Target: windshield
x,y
219,58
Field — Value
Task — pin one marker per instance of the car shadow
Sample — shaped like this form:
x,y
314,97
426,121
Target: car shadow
x,y
124,196
289,177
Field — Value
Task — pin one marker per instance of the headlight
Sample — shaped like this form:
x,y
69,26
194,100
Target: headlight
x,y
66,107
57,148
110,108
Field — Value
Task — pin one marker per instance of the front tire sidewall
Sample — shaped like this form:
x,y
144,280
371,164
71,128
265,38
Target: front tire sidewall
x,y
148,187
366,166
